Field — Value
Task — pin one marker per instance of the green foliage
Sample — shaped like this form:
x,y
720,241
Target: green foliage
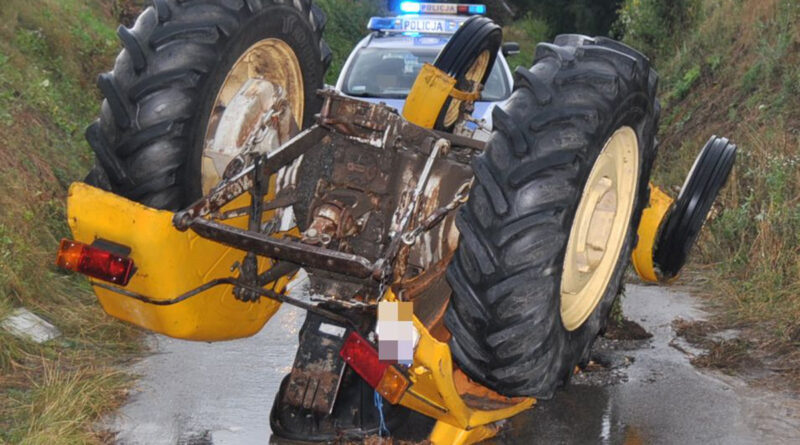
x,y
686,83
347,25
654,26
592,17
527,31
50,54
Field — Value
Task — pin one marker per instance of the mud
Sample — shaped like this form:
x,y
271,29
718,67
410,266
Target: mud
x,y
637,390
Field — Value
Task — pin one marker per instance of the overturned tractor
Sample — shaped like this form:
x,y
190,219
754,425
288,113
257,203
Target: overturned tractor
x,y
223,169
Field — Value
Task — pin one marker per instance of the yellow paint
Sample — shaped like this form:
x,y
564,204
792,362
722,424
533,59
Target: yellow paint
x,y
428,96
445,434
652,218
169,263
433,393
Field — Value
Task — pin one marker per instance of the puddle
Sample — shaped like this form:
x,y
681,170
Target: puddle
x,y
646,392
661,399
210,393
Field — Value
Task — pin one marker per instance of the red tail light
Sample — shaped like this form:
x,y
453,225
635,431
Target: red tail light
x,y
94,262
363,358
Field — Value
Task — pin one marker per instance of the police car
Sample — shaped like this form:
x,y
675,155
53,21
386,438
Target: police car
x,y
384,65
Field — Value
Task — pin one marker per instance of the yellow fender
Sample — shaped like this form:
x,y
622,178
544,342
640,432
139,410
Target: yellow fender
x,y
429,94
653,217
435,393
168,263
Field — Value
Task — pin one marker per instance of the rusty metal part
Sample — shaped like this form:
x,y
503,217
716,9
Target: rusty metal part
x,y
332,220
480,397
382,204
238,185
396,243
439,214
258,107
285,249
278,270
284,198
318,368
248,271
411,288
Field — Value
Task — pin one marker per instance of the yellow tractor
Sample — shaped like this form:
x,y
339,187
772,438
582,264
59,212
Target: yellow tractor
x,y
223,169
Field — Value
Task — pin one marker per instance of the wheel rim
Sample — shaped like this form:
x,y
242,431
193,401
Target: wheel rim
x,y
473,76
260,102
600,227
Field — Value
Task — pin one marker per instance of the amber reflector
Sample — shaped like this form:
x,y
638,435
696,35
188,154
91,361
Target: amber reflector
x,y
393,385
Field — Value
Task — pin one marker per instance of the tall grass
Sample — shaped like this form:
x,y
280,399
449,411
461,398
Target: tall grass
x,y
50,53
736,72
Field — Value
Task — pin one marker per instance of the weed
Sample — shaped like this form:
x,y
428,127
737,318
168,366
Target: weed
x,y
751,77
686,83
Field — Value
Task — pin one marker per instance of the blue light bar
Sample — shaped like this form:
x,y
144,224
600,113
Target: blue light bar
x,y
410,7
383,24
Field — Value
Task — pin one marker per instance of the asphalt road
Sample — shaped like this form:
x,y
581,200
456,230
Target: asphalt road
x,y
196,393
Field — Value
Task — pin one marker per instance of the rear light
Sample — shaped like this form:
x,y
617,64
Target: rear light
x,y
359,354
94,262
393,385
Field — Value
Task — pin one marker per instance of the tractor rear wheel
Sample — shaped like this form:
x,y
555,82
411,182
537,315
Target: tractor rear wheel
x,y
551,219
185,92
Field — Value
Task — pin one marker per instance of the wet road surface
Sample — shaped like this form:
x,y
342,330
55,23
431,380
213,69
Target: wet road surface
x,y
195,393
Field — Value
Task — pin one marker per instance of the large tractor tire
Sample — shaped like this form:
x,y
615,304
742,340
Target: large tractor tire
x,y
551,220
182,65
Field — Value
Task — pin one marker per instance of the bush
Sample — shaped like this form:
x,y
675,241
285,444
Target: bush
x,y
652,25
527,31
347,24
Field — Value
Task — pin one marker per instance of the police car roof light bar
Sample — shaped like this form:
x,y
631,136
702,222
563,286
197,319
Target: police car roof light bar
x,y
442,8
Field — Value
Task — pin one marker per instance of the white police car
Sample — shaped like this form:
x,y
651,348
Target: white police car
x,y
384,65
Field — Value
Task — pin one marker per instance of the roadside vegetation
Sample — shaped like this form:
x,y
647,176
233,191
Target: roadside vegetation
x,y
50,53
732,68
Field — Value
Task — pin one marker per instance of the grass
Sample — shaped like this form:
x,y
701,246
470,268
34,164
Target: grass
x,y
736,72
527,31
50,52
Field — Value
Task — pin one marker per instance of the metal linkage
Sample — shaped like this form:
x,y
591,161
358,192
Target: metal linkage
x,y
387,262
250,173
240,178
268,293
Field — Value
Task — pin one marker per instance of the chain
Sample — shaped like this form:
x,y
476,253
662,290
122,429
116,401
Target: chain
x,y
269,122
461,196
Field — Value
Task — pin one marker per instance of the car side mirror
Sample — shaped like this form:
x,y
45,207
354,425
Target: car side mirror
x,y
510,48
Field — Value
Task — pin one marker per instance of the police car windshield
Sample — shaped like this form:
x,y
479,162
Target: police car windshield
x,y
390,73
